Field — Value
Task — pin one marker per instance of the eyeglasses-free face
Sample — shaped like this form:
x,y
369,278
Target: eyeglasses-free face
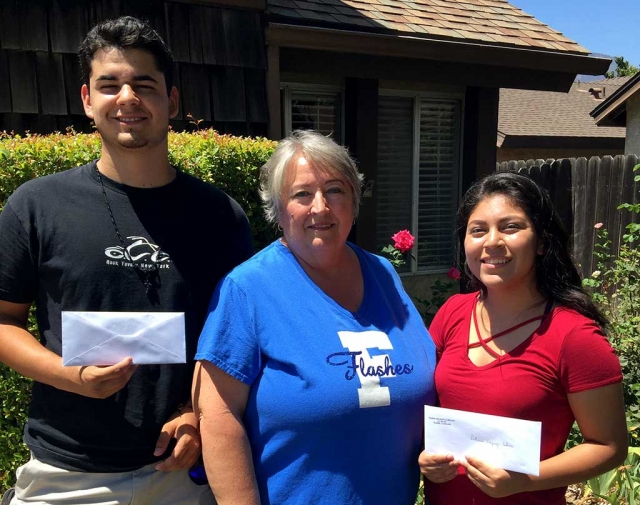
x,y
501,244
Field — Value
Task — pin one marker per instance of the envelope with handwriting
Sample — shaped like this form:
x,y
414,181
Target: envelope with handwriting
x,y
504,442
105,338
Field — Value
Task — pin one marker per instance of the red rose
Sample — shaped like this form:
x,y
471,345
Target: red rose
x,y
454,274
403,241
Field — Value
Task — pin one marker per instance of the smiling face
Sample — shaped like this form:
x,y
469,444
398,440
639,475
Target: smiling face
x,y
127,99
317,210
500,244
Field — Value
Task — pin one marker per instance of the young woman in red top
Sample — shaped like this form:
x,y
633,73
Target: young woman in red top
x,y
527,344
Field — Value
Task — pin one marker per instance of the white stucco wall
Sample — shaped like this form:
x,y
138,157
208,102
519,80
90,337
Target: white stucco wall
x,y
632,144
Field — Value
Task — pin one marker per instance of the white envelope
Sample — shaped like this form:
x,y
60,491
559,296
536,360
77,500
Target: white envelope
x,y
105,338
504,442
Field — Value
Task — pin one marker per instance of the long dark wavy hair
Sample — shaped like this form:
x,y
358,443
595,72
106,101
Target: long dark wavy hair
x,y
556,275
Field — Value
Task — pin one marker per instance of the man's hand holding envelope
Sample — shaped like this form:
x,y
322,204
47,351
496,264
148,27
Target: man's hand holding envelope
x,y
108,346
106,338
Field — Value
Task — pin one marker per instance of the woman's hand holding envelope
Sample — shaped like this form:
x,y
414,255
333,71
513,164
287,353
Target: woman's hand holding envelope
x,y
101,381
493,481
438,468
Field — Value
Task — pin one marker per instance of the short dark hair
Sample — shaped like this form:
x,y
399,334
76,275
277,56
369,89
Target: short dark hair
x,y
126,32
556,275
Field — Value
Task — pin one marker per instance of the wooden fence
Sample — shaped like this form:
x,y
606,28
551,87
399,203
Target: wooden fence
x,y
587,192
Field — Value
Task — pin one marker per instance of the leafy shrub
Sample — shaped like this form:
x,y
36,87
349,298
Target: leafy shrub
x,y
615,286
15,392
230,163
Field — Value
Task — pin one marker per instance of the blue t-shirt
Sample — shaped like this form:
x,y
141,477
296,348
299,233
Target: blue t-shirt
x,y
335,412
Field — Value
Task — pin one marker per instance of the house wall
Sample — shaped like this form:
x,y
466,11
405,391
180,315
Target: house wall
x,y
419,287
480,133
219,53
632,144
361,137
556,154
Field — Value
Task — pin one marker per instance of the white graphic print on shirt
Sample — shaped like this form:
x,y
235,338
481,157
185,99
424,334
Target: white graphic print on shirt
x,y
368,369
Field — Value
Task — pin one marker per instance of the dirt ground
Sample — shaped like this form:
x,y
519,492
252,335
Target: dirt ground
x,y
575,496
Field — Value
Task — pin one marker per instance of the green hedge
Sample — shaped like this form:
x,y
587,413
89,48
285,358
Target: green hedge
x,y
231,163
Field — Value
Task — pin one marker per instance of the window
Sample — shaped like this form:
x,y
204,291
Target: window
x,y
418,176
316,108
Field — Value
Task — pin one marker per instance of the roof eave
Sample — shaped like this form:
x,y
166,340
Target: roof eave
x,y
605,114
259,5
328,39
561,142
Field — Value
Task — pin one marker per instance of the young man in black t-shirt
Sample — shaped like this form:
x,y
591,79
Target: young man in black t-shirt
x,y
125,233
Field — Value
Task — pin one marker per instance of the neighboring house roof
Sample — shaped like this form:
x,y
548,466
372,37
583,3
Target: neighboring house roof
x,y
544,118
485,21
613,110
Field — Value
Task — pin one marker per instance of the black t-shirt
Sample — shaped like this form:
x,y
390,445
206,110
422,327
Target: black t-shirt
x,y
59,249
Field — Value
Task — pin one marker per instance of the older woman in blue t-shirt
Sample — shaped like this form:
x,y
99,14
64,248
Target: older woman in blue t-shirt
x,y
314,363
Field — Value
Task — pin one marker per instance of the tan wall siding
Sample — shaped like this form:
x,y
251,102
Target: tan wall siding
x,y
632,144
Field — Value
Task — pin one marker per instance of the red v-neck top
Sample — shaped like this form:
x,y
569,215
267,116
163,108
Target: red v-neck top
x,y
567,353
482,342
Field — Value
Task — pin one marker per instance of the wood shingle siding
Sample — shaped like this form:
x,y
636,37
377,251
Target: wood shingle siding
x,y
178,31
72,83
23,25
255,88
243,39
196,101
219,50
50,70
22,75
5,87
227,94
68,25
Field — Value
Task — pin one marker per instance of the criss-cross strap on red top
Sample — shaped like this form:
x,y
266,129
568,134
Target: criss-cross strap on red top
x,y
483,342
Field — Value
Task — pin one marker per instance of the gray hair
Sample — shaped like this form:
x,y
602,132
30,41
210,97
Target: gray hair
x,y
321,152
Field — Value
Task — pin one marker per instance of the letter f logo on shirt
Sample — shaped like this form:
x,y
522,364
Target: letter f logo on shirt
x,y
370,393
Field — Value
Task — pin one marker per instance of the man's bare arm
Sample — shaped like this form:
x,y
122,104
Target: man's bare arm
x,y
22,352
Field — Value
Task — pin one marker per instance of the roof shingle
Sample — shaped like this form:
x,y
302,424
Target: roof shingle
x,y
549,114
493,21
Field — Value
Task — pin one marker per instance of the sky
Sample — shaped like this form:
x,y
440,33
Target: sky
x,y
602,26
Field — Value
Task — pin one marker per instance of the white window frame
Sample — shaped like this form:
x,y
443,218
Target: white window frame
x,y
417,96
312,89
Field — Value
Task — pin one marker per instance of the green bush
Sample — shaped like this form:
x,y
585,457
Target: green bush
x,y
231,163
15,392
614,287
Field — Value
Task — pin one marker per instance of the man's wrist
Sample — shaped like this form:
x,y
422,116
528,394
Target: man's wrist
x,y
185,407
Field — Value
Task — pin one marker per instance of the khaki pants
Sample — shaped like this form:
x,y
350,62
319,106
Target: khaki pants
x,y
42,484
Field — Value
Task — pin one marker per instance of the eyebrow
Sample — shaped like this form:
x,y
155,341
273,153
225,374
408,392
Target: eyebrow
x,y
305,185
136,78
510,217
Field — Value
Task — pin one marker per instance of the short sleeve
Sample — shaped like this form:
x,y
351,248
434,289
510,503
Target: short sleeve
x,y
587,360
228,339
18,275
437,328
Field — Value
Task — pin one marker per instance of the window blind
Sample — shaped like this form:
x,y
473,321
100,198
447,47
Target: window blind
x,y
395,162
438,172
317,111
432,195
